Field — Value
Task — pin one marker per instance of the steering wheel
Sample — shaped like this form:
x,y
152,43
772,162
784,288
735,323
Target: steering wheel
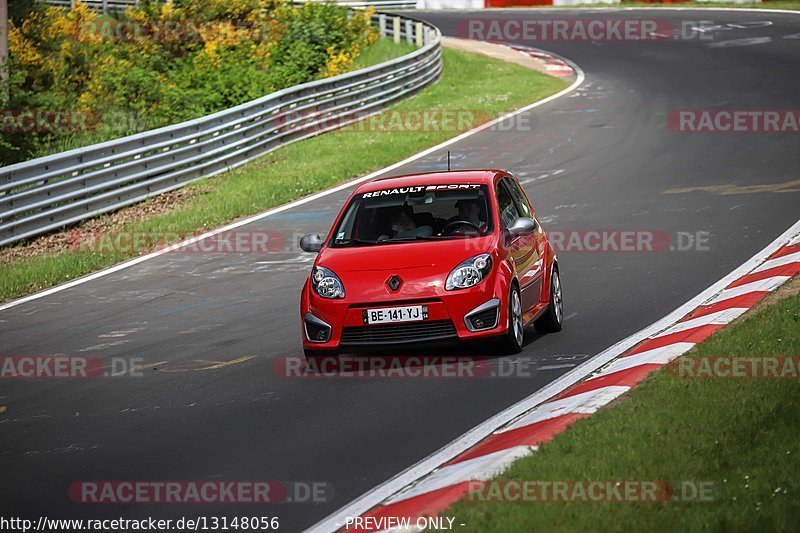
x,y
454,224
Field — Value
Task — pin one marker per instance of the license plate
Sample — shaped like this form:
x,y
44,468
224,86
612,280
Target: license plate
x,y
390,315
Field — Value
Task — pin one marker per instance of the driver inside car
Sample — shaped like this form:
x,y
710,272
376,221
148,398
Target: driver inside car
x,y
469,211
402,226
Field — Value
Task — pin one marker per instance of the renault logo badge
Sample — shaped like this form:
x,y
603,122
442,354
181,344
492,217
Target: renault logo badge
x,y
394,282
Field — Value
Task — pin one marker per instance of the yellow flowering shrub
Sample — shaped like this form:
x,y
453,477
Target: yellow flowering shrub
x,y
163,62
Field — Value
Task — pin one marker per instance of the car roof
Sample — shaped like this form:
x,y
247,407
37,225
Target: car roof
x,y
430,178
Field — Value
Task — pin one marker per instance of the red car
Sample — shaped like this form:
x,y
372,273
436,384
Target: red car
x,y
431,257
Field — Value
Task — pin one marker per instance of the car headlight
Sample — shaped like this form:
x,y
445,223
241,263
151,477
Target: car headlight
x,y
326,284
469,273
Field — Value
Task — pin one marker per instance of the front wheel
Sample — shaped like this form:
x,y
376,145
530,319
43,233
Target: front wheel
x,y
512,341
552,319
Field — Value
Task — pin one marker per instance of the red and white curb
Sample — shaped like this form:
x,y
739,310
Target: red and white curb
x,y
552,64
436,487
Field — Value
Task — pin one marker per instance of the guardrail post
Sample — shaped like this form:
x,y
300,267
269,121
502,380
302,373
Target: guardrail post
x,y
409,32
382,25
396,30
418,34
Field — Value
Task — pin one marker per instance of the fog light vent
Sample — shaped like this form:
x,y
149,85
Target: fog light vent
x,y
484,319
316,330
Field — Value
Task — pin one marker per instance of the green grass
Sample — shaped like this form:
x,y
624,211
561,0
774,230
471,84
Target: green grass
x,y
469,82
382,50
741,434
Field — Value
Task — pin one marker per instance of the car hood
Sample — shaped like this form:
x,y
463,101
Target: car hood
x,y
427,255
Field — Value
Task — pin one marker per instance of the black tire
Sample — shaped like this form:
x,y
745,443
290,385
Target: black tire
x,y
316,360
515,336
553,319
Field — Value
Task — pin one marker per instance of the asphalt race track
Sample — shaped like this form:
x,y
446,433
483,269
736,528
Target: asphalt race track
x,y
210,327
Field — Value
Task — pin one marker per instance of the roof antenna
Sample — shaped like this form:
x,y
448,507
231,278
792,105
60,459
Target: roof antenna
x,y
448,160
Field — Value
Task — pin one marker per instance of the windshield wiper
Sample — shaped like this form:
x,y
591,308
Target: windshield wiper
x,y
362,242
455,236
365,242
434,237
423,238
417,238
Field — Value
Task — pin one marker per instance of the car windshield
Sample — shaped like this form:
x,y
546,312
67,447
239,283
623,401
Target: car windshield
x,y
418,213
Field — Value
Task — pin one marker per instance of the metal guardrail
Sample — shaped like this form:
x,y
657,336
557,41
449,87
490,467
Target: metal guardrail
x,y
50,192
100,5
377,4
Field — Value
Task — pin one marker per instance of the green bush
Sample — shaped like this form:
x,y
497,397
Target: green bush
x,y
162,63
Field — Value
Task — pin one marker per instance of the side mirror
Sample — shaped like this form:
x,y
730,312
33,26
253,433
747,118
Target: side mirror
x,y
311,243
522,226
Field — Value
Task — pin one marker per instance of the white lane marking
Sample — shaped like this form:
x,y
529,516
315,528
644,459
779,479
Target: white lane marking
x,y
121,333
585,403
104,346
762,285
779,261
661,356
720,317
79,281
478,469
750,24
733,43
376,495
524,178
732,26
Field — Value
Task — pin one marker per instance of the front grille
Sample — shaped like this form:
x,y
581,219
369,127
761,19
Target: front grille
x,y
399,333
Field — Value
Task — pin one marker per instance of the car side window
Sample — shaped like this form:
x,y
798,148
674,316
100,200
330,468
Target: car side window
x,y
519,197
508,211
348,225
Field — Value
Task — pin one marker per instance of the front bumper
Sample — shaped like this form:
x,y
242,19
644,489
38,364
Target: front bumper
x,y
469,314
